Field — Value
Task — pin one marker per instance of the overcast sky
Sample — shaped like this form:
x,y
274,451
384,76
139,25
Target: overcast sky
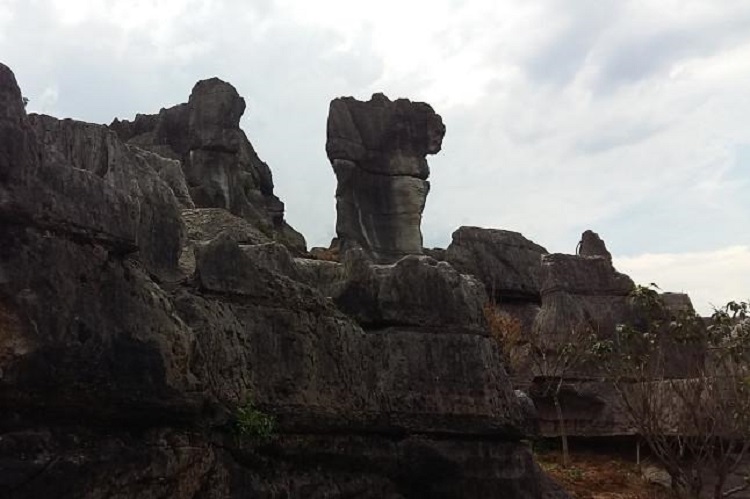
x,y
631,118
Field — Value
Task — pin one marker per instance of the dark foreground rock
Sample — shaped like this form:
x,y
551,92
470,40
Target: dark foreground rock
x,y
162,463
133,327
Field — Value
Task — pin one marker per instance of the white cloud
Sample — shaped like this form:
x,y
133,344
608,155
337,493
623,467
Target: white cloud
x,y
711,278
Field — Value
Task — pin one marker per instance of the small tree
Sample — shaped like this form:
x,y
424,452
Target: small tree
x,y
553,360
557,362
695,416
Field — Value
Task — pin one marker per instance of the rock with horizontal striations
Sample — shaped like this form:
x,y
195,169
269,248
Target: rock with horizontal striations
x,y
220,165
77,146
87,229
378,152
509,265
581,294
46,195
593,245
417,292
115,382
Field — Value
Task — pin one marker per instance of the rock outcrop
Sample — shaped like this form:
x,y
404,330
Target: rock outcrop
x,y
221,168
123,362
582,292
509,265
592,245
378,152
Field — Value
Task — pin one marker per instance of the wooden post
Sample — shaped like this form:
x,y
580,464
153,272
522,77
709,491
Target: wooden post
x,y
638,452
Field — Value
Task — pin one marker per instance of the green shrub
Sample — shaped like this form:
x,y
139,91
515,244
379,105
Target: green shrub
x,y
254,424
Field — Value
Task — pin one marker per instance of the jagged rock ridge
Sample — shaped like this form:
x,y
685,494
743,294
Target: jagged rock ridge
x,y
221,167
135,319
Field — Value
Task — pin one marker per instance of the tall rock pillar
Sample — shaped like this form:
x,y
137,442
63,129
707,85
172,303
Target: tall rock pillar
x,y
378,152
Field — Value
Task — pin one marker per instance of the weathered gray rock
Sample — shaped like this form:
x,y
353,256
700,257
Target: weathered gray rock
x,y
205,224
44,195
592,245
78,258
581,294
509,265
171,173
166,463
416,291
220,165
677,302
117,383
591,408
378,151
96,149
295,352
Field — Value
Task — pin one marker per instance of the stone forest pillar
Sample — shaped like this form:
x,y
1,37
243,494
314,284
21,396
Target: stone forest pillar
x,y
377,149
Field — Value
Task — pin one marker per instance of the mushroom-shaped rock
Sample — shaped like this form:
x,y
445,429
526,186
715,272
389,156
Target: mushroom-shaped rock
x,y
378,152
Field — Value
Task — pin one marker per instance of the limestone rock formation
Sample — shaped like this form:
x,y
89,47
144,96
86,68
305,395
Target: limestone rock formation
x,y
378,152
592,245
509,265
118,381
583,293
220,166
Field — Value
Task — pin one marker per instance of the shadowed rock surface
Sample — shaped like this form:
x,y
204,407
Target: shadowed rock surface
x,y
132,327
378,152
220,166
509,265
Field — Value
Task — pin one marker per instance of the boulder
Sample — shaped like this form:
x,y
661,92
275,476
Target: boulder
x,y
378,152
509,265
416,291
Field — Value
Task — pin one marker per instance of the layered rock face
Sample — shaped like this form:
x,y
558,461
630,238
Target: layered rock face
x,y
550,295
378,152
509,264
220,166
133,325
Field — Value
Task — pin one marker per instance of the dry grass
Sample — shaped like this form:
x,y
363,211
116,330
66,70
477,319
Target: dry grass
x,y
327,255
507,331
597,476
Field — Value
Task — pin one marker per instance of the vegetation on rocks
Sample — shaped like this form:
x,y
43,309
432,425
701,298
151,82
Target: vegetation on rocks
x,y
254,424
695,420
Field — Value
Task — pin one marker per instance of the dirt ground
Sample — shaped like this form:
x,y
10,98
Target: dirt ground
x,y
599,476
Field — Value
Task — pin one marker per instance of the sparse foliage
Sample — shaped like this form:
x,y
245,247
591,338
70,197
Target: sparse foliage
x,y
553,360
556,361
507,331
254,424
695,416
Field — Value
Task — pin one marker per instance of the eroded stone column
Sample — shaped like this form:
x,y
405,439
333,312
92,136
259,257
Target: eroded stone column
x,y
378,151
